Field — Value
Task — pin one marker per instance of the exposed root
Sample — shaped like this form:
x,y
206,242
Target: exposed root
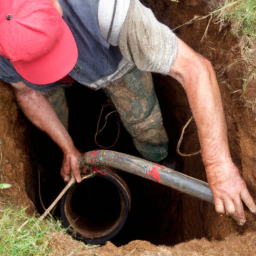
x,y
181,139
71,182
206,30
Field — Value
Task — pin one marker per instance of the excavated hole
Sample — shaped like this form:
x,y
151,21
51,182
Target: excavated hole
x,y
156,211
158,214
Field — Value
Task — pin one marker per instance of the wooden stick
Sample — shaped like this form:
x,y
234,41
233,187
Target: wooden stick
x,y
70,183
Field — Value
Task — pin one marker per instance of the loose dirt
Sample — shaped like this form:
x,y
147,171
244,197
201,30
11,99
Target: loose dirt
x,y
232,245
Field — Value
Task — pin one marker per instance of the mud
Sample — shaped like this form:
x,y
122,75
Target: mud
x,y
158,215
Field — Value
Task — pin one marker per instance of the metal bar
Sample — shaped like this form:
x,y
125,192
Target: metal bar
x,y
149,170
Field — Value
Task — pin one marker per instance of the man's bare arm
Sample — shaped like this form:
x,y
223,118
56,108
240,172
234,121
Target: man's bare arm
x,y
40,112
198,78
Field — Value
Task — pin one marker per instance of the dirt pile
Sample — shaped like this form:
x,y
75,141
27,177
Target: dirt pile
x,y
232,245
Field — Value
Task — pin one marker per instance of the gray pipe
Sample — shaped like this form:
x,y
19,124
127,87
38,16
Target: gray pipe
x,y
148,170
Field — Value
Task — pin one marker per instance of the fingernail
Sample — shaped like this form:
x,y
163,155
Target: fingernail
x,y
241,223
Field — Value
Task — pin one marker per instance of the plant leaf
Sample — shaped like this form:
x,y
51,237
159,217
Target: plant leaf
x,y
4,185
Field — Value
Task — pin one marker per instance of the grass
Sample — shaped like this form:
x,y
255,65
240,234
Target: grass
x,y
19,236
242,16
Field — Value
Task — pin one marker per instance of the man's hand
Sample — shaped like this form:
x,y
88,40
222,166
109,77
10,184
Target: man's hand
x,y
40,112
198,78
229,190
70,163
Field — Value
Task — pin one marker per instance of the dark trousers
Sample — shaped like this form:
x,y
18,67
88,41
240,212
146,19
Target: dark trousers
x,y
136,102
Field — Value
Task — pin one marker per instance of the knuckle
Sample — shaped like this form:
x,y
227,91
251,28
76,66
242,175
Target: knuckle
x,y
66,171
76,172
231,211
219,210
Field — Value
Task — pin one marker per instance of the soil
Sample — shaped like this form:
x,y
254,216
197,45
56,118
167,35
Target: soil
x,y
199,219
159,215
16,167
232,245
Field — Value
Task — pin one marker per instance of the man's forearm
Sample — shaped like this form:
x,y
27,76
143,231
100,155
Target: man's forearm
x,y
205,102
198,79
40,112
200,84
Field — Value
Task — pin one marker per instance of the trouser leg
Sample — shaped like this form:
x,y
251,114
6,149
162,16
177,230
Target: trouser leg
x,y
58,101
135,100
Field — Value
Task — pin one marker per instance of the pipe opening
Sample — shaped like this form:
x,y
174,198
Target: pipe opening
x,y
95,207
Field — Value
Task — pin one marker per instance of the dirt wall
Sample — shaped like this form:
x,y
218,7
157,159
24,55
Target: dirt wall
x,y
220,47
15,160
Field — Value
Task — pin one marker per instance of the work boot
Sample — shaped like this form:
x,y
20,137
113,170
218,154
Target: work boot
x,y
135,100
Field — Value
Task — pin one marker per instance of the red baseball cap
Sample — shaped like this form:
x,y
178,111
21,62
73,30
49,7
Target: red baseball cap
x,y
37,41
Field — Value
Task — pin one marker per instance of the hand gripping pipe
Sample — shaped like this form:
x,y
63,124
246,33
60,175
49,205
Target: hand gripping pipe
x,y
149,170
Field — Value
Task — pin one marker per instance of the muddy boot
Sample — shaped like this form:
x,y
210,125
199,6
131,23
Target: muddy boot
x,y
135,100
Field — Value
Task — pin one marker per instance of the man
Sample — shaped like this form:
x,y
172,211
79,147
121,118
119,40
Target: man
x,y
109,38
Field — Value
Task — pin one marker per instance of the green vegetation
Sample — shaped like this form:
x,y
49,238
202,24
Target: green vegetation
x,y
4,185
242,15
19,235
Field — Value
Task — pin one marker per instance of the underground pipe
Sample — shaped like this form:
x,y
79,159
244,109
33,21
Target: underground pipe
x,y
149,170
96,209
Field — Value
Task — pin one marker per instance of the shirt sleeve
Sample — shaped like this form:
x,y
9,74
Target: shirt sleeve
x,y
8,73
147,43
111,16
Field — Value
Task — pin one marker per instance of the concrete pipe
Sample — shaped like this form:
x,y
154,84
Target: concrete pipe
x,y
96,209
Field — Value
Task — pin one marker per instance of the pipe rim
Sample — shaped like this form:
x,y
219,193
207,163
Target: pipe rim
x,y
125,200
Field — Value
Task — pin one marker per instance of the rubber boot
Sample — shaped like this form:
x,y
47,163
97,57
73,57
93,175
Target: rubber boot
x,y
135,100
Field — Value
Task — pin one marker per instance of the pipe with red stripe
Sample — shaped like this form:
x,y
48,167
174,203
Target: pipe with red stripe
x,y
149,170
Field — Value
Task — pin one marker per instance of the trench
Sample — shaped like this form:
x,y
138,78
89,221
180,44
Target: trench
x,y
158,214
156,210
